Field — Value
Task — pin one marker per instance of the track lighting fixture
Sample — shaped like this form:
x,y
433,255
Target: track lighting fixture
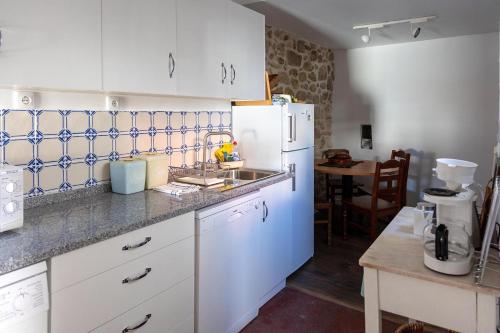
x,y
413,32
367,38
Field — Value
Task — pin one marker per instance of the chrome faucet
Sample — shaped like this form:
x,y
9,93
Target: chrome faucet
x,y
205,148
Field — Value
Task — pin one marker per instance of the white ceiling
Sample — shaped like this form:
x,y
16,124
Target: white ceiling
x,y
330,22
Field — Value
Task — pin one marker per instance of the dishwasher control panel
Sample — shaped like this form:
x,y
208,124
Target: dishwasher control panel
x,y
23,299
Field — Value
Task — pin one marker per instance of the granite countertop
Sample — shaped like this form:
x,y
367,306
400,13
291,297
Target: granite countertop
x,y
59,227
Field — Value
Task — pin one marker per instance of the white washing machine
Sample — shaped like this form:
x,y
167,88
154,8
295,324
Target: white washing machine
x,y
24,300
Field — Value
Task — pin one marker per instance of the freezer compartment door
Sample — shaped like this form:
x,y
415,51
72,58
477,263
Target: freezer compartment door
x,y
298,126
302,163
258,132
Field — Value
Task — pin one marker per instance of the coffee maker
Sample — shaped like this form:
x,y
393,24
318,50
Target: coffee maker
x,y
448,244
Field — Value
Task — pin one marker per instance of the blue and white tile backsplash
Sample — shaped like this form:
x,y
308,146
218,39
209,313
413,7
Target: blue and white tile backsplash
x,y
62,150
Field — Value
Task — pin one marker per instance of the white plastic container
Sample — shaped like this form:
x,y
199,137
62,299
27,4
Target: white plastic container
x,y
156,169
455,172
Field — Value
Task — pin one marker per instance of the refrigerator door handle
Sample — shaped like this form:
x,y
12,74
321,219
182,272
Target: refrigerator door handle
x,y
294,127
290,127
291,169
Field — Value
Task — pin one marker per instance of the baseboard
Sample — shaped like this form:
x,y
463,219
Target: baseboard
x,y
276,289
243,321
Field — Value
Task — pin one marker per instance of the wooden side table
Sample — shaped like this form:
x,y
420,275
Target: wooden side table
x,y
396,281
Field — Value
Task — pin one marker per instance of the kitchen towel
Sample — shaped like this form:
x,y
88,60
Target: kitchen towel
x,y
177,189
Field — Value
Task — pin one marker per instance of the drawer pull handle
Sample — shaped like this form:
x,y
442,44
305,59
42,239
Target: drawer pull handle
x,y
142,323
132,279
135,246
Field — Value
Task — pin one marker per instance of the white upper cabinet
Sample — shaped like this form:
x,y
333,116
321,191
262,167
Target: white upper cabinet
x,y
51,44
139,46
201,46
245,53
196,48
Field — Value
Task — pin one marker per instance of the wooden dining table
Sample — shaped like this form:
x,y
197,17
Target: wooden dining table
x,y
364,168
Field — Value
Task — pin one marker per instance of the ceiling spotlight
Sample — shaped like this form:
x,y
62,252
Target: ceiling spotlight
x,y
367,38
415,32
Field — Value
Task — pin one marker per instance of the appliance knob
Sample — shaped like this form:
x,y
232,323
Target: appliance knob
x,y
21,301
10,207
10,187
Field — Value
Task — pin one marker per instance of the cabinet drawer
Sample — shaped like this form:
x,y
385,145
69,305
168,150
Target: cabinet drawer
x,y
95,301
426,301
170,311
81,264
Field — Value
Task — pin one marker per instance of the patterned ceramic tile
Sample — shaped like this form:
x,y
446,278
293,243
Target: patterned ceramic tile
x,y
62,150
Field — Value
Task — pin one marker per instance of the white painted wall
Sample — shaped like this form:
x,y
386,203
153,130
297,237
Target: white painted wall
x,y
437,98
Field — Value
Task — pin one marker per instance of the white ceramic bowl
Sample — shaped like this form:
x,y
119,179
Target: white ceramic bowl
x,y
455,172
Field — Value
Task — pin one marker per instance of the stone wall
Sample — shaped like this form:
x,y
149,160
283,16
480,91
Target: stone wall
x,y
305,71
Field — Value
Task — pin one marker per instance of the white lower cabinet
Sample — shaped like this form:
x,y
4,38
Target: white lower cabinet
x,y
144,281
169,312
275,237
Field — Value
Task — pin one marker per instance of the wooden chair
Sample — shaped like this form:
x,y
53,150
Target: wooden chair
x,y
397,155
328,207
383,201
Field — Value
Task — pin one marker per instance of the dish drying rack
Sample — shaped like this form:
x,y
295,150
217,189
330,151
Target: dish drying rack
x,y
213,170
206,170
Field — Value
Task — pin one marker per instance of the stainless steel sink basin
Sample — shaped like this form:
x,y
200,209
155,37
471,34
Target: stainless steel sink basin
x,y
243,176
247,174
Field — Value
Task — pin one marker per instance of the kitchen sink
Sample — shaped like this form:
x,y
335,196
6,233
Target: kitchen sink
x,y
248,174
238,177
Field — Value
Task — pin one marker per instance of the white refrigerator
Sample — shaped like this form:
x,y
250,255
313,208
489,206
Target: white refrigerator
x,y
282,138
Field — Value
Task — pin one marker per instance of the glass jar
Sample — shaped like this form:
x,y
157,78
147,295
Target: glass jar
x,y
458,246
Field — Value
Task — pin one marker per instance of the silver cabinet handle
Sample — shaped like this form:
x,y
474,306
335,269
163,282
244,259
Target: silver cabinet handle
x,y
171,64
233,74
266,211
132,279
135,246
1,39
142,323
224,72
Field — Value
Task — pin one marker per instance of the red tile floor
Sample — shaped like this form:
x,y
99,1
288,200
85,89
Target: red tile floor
x,y
293,311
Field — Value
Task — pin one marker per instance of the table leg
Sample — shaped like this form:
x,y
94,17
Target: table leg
x,y
373,315
486,313
347,186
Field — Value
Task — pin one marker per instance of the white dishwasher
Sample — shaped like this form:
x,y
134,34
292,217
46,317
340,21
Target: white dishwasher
x,y
24,300
227,265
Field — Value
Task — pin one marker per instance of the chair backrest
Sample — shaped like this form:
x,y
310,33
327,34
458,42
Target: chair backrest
x,y
332,152
391,174
398,155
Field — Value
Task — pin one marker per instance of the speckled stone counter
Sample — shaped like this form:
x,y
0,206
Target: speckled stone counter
x,y
56,228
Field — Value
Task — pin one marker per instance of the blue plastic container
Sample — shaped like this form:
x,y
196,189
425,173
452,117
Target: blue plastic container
x,y
128,176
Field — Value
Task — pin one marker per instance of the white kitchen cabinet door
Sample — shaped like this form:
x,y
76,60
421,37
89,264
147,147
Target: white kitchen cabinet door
x,y
246,53
275,234
139,46
51,44
201,46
